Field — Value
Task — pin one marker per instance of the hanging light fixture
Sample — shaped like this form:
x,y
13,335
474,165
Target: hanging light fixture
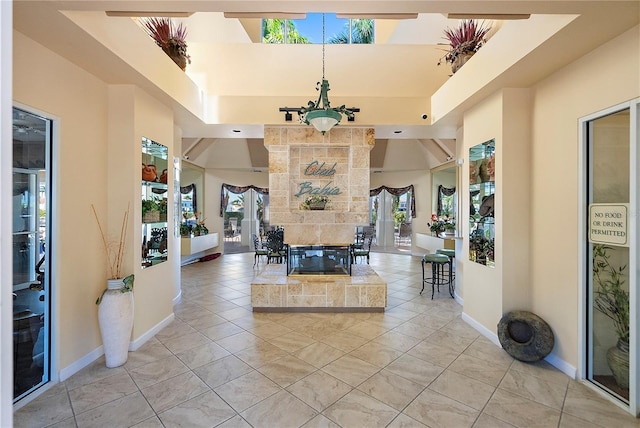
x,y
320,114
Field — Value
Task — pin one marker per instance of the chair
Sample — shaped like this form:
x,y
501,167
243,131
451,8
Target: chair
x,y
258,249
359,238
275,246
362,252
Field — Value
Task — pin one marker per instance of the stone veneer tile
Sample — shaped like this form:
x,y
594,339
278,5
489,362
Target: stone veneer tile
x,y
278,162
295,289
314,288
370,137
307,301
338,152
336,295
352,296
272,136
259,295
302,134
376,296
277,295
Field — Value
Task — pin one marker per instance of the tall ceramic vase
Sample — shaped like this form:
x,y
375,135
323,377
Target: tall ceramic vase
x,y
618,360
115,315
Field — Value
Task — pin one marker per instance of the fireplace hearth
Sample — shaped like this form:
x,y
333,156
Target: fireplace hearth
x,y
319,260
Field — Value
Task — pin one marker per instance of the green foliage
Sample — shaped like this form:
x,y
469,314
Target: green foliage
x,y
361,33
273,32
150,205
127,286
611,298
399,217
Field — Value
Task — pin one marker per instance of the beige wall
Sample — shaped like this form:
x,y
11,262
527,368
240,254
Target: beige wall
x,y
78,101
213,179
96,154
537,189
603,78
421,180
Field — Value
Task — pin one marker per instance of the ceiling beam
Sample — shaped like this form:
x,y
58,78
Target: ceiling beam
x,y
135,13
444,148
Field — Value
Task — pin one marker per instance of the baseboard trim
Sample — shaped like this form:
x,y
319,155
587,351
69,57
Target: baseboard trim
x,y
81,363
552,359
482,329
137,343
89,358
178,298
561,365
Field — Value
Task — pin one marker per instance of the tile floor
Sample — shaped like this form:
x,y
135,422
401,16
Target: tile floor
x,y
416,365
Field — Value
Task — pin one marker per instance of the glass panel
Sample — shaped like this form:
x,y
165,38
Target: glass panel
x,y
609,145
154,203
481,206
309,30
29,225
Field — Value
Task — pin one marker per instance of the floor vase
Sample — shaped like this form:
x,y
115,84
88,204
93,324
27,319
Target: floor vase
x,y
115,315
618,360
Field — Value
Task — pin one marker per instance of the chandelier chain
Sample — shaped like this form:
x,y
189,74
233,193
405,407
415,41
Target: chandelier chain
x,y
323,46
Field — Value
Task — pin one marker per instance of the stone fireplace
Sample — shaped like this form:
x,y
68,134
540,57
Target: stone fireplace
x,y
319,275
303,163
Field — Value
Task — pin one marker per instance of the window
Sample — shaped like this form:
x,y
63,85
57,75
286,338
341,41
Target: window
x,y
309,30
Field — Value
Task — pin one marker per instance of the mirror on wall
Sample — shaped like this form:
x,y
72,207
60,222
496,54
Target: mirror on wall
x,y
154,203
481,204
191,193
444,196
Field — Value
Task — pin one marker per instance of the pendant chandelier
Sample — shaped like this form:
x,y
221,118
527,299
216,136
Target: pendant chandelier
x,y
320,114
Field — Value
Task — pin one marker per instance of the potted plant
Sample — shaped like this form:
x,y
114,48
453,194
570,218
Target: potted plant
x,y
612,300
162,208
199,229
150,211
115,304
464,41
170,37
315,202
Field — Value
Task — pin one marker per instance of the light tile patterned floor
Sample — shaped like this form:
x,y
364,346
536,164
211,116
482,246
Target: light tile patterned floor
x,y
416,365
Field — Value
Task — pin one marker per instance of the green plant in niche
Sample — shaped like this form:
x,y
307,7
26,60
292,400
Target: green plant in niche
x,y
610,297
149,205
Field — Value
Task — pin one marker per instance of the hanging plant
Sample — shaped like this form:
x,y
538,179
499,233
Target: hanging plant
x,y
170,37
464,41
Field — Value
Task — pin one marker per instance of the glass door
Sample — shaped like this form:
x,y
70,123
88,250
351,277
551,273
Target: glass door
x,y
610,274
30,208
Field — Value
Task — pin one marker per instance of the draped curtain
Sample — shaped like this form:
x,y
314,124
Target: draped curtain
x,y
444,191
397,191
224,198
194,199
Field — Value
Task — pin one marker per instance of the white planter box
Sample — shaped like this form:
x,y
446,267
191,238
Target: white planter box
x,y
198,244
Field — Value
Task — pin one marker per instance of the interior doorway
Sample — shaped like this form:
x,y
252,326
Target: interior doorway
x,y
31,251
611,304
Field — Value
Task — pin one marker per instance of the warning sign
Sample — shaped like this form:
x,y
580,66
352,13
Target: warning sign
x,y
608,224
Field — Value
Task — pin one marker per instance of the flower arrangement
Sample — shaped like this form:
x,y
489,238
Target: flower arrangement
x,y
197,229
315,202
611,298
464,40
441,224
171,38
